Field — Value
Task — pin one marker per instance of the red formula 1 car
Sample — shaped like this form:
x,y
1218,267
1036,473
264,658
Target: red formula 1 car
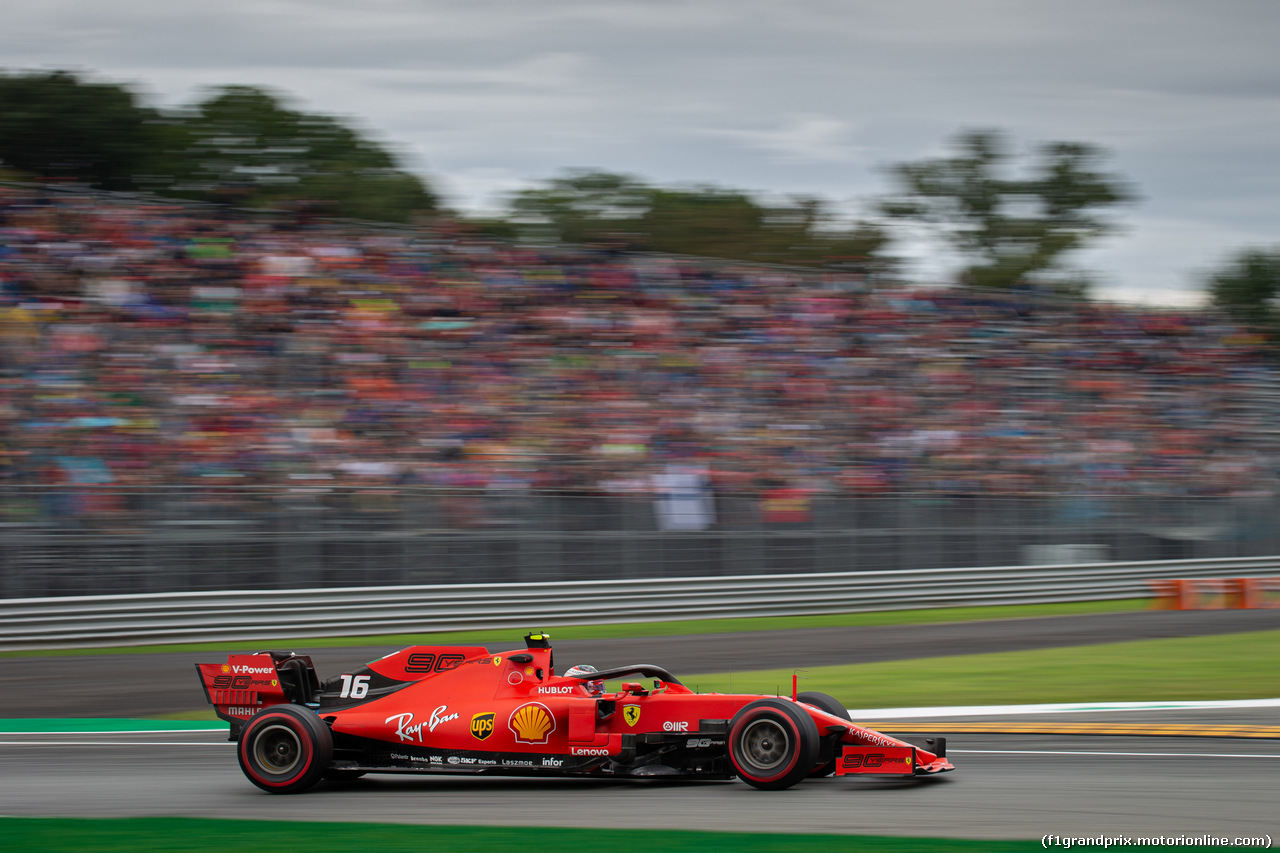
x,y
464,709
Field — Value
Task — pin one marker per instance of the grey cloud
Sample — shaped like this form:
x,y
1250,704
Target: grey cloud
x,y
810,96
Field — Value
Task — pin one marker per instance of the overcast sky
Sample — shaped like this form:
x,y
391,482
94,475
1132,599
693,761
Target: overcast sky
x,y
806,96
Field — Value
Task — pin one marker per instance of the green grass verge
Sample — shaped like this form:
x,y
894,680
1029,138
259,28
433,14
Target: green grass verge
x,y
71,725
511,638
1228,666
142,835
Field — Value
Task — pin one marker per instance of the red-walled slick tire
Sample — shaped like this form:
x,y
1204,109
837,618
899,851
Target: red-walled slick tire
x,y
285,749
773,744
835,708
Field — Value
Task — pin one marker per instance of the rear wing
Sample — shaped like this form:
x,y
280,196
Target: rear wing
x,y
247,683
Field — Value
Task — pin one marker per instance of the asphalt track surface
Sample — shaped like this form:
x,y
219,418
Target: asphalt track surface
x,y
1014,785
1009,786
126,685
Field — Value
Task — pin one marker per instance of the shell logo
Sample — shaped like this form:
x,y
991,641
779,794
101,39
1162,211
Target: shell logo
x,y
532,723
226,667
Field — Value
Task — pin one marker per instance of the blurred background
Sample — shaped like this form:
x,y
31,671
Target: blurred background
x,y
966,303
243,346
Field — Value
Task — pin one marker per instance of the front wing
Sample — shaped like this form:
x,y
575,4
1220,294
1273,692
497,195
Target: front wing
x,y
901,760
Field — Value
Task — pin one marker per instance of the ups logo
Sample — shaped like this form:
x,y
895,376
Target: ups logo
x,y
482,726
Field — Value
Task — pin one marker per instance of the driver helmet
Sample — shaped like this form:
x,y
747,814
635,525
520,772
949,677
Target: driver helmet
x,y
583,670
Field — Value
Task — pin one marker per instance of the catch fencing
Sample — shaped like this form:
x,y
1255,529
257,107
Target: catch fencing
x,y
267,615
102,540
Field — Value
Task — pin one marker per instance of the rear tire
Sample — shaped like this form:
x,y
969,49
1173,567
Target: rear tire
x,y
835,708
772,744
285,749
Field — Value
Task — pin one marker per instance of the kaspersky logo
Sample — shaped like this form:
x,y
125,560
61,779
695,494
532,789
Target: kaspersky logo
x,y
631,713
482,725
532,723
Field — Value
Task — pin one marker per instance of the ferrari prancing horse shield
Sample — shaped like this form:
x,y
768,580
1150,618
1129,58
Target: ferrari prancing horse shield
x,y
631,713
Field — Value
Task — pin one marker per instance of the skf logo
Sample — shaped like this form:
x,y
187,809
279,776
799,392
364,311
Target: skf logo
x,y
631,713
532,723
482,726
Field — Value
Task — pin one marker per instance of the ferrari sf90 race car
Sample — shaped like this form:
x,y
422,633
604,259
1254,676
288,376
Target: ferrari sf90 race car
x,y
464,709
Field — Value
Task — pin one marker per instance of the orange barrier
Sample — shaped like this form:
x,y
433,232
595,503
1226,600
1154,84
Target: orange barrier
x,y
1164,594
1260,592
1215,593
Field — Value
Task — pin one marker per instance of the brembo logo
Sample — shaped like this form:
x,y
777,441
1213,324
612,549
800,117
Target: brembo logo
x,y
532,723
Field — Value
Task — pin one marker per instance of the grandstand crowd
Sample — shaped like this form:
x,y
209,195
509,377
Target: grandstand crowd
x,y
155,344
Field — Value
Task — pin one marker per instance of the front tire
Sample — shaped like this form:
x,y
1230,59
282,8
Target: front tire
x,y
835,708
285,749
772,744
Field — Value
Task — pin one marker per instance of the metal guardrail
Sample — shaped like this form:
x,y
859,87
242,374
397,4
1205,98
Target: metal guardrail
x,y
84,621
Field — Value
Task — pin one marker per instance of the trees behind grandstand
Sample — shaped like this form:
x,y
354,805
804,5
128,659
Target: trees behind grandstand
x,y
241,144
1248,287
601,208
54,125
248,146
1008,229
245,142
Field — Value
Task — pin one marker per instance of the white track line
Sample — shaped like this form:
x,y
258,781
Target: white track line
x,y
1120,754
1055,708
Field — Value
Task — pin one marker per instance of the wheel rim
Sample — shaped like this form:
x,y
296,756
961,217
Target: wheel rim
x,y
764,745
277,749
